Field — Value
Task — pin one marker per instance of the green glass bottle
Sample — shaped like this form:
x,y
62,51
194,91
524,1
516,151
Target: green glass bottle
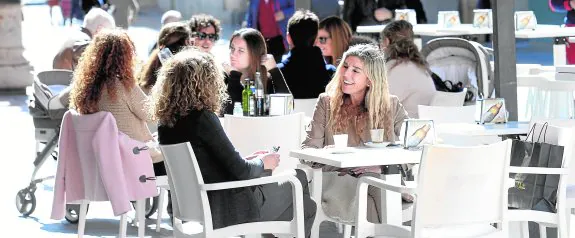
x,y
246,98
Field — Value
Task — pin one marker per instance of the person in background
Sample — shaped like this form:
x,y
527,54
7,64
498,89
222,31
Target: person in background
x,y
248,55
370,12
325,8
419,11
206,31
304,68
566,6
361,39
175,36
167,17
105,81
333,38
270,18
408,74
70,52
125,12
356,100
186,100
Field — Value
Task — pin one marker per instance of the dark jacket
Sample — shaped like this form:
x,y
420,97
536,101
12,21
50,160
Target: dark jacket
x,y
306,72
361,12
219,162
276,84
563,6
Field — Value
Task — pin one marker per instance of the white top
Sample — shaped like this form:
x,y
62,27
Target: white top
x,y
467,129
359,156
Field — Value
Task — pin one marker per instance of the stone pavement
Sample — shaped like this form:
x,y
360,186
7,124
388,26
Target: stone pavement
x,y
41,41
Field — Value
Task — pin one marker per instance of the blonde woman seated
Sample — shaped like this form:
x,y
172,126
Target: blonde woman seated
x,y
105,81
356,100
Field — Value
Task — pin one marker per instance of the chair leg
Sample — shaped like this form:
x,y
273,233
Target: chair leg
x,y
141,216
82,218
123,225
347,231
339,228
315,228
160,208
524,229
542,231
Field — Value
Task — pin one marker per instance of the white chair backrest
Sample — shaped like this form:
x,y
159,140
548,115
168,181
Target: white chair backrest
x,y
448,99
251,134
439,115
307,106
189,202
451,178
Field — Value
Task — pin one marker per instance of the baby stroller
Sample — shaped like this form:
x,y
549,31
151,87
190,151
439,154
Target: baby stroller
x,y
461,61
47,111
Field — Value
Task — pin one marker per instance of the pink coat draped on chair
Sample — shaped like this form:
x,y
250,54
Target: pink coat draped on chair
x,y
96,162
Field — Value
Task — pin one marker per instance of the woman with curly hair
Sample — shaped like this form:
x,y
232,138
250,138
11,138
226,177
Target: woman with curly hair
x,y
104,81
408,74
248,55
333,38
186,100
356,100
174,36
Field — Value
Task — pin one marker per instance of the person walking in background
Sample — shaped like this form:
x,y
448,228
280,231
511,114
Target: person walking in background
x,y
567,6
270,18
369,12
122,12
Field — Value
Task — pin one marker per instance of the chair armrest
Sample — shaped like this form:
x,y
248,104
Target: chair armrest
x,y
284,177
384,185
538,170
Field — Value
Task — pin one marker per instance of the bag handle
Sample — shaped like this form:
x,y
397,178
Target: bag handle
x,y
530,131
545,126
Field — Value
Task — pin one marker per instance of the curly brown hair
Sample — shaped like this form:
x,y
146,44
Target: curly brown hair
x,y
201,21
175,36
191,80
108,59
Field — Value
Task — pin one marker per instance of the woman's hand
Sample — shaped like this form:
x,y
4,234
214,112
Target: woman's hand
x,y
269,62
369,169
382,14
279,16
256,154
271,161
227,67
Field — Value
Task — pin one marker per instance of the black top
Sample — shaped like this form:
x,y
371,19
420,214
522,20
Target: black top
x,y
219,162
361,12
306,72
276,84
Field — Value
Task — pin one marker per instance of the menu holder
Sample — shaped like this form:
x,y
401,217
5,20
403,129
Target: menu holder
x,y
482,18
415,133
406,15
525,20
448,19
492,111
280,104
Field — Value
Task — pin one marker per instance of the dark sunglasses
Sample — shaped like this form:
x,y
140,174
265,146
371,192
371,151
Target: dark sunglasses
x,y
323,40
203,36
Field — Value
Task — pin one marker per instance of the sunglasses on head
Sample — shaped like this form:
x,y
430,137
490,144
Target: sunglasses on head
x,y
203,36
322,40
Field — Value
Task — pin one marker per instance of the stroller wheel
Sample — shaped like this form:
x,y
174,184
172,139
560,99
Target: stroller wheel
x,y
151,206
73,213
25,202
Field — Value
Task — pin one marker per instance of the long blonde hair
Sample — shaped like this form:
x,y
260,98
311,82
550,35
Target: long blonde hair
x,y
190,80
376,106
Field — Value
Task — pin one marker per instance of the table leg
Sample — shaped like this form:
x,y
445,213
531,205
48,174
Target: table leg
x,y
391,201
559,54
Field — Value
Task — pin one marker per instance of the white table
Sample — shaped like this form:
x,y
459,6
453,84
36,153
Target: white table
x,y
468,129
391,202
560,35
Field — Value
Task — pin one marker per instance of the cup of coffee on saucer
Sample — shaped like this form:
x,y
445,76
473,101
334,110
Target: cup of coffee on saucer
x,y
377,138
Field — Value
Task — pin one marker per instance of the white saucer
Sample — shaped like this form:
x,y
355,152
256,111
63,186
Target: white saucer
x,y
344,150
376,145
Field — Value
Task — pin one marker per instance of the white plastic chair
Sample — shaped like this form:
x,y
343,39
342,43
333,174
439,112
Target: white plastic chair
x,y
307,106
162,184
448,99
250,134
460,192
556,135
190,199
544,97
